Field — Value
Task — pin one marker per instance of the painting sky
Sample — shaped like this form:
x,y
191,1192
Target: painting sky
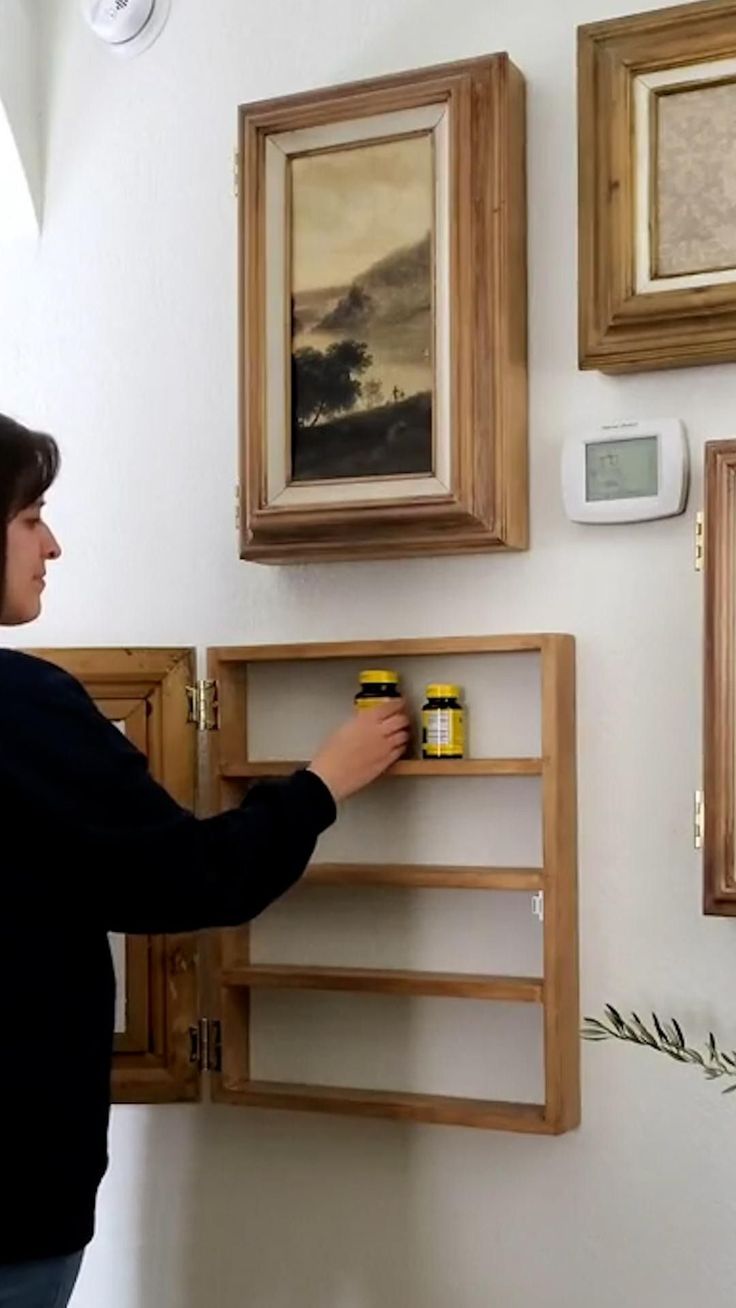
x,y
351,207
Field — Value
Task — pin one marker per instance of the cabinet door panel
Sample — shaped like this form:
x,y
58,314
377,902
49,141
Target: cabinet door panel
x,y
719,717
143,692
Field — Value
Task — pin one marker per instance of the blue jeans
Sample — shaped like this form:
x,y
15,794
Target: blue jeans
x,y
47,1284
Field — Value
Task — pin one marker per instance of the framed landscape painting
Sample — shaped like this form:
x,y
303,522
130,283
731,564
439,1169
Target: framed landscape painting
x,y
383,317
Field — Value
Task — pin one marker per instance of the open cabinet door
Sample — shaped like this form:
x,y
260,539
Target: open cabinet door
x,y
144,692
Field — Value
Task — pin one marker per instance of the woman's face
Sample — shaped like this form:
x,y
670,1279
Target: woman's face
x,y
30,545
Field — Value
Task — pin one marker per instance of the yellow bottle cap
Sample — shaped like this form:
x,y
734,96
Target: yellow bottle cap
x,y
377,677
442,691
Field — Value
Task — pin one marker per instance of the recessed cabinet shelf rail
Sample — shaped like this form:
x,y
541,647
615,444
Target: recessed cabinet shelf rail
x,y
410,767
424,876
445,1110
385,981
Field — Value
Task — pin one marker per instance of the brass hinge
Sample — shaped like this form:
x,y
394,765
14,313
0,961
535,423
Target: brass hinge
x,y
205,1045
236,172
699,541
699,819
204,706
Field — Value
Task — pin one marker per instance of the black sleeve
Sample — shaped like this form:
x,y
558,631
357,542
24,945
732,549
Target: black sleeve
x,y
133,860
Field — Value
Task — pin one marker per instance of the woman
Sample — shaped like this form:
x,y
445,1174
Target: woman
x,y
91,844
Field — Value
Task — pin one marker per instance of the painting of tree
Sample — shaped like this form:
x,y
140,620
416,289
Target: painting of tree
x,y
327,382
362,331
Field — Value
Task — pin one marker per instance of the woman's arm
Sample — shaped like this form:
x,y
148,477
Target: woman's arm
x,y
106,842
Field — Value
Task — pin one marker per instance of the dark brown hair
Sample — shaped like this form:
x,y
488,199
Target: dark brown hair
x,y
29,462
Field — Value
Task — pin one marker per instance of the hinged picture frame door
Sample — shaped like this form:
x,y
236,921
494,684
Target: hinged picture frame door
x,y
657,279
719,680
427,454
145,693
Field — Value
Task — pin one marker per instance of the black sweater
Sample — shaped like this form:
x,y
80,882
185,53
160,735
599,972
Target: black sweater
x,y
90,844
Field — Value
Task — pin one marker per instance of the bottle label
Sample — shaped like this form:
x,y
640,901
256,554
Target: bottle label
x,y
371,703
443,733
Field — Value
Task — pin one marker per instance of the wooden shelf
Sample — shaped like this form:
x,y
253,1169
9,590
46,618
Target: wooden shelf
x,y
237,978
446,1110
410,767
386,981
531,643
425,876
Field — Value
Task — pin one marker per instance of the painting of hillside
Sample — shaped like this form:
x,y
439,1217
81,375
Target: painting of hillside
x,y
362,311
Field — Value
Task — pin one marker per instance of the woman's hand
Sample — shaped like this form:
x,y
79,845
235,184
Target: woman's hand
x,y
362,749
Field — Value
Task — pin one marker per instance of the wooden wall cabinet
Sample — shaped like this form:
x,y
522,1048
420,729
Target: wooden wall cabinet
x,y
657,263
204,1006
719,723
472,493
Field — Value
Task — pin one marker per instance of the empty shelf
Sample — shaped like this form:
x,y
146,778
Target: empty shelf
x,y
425,876
385,981
442,1109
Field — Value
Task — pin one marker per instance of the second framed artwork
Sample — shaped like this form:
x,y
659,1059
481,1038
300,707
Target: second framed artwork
x,y
383,318
657,248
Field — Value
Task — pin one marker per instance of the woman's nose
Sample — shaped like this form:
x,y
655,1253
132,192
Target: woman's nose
x,y
52,548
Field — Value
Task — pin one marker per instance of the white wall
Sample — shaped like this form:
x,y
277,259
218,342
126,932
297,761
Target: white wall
x,y
20,118
118,333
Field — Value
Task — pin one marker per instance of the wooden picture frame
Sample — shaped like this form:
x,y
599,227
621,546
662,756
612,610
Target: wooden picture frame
x,y
719,680
470,492
657,262
145,690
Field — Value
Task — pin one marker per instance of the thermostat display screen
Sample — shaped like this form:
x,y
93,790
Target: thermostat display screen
x,y
620,470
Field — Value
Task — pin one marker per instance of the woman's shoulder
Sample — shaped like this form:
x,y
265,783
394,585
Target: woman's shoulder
x,y
21,673
42,703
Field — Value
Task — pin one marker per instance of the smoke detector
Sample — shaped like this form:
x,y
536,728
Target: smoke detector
x,y
127,27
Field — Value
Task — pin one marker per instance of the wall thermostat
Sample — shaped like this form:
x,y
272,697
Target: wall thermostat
x,y
626,472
